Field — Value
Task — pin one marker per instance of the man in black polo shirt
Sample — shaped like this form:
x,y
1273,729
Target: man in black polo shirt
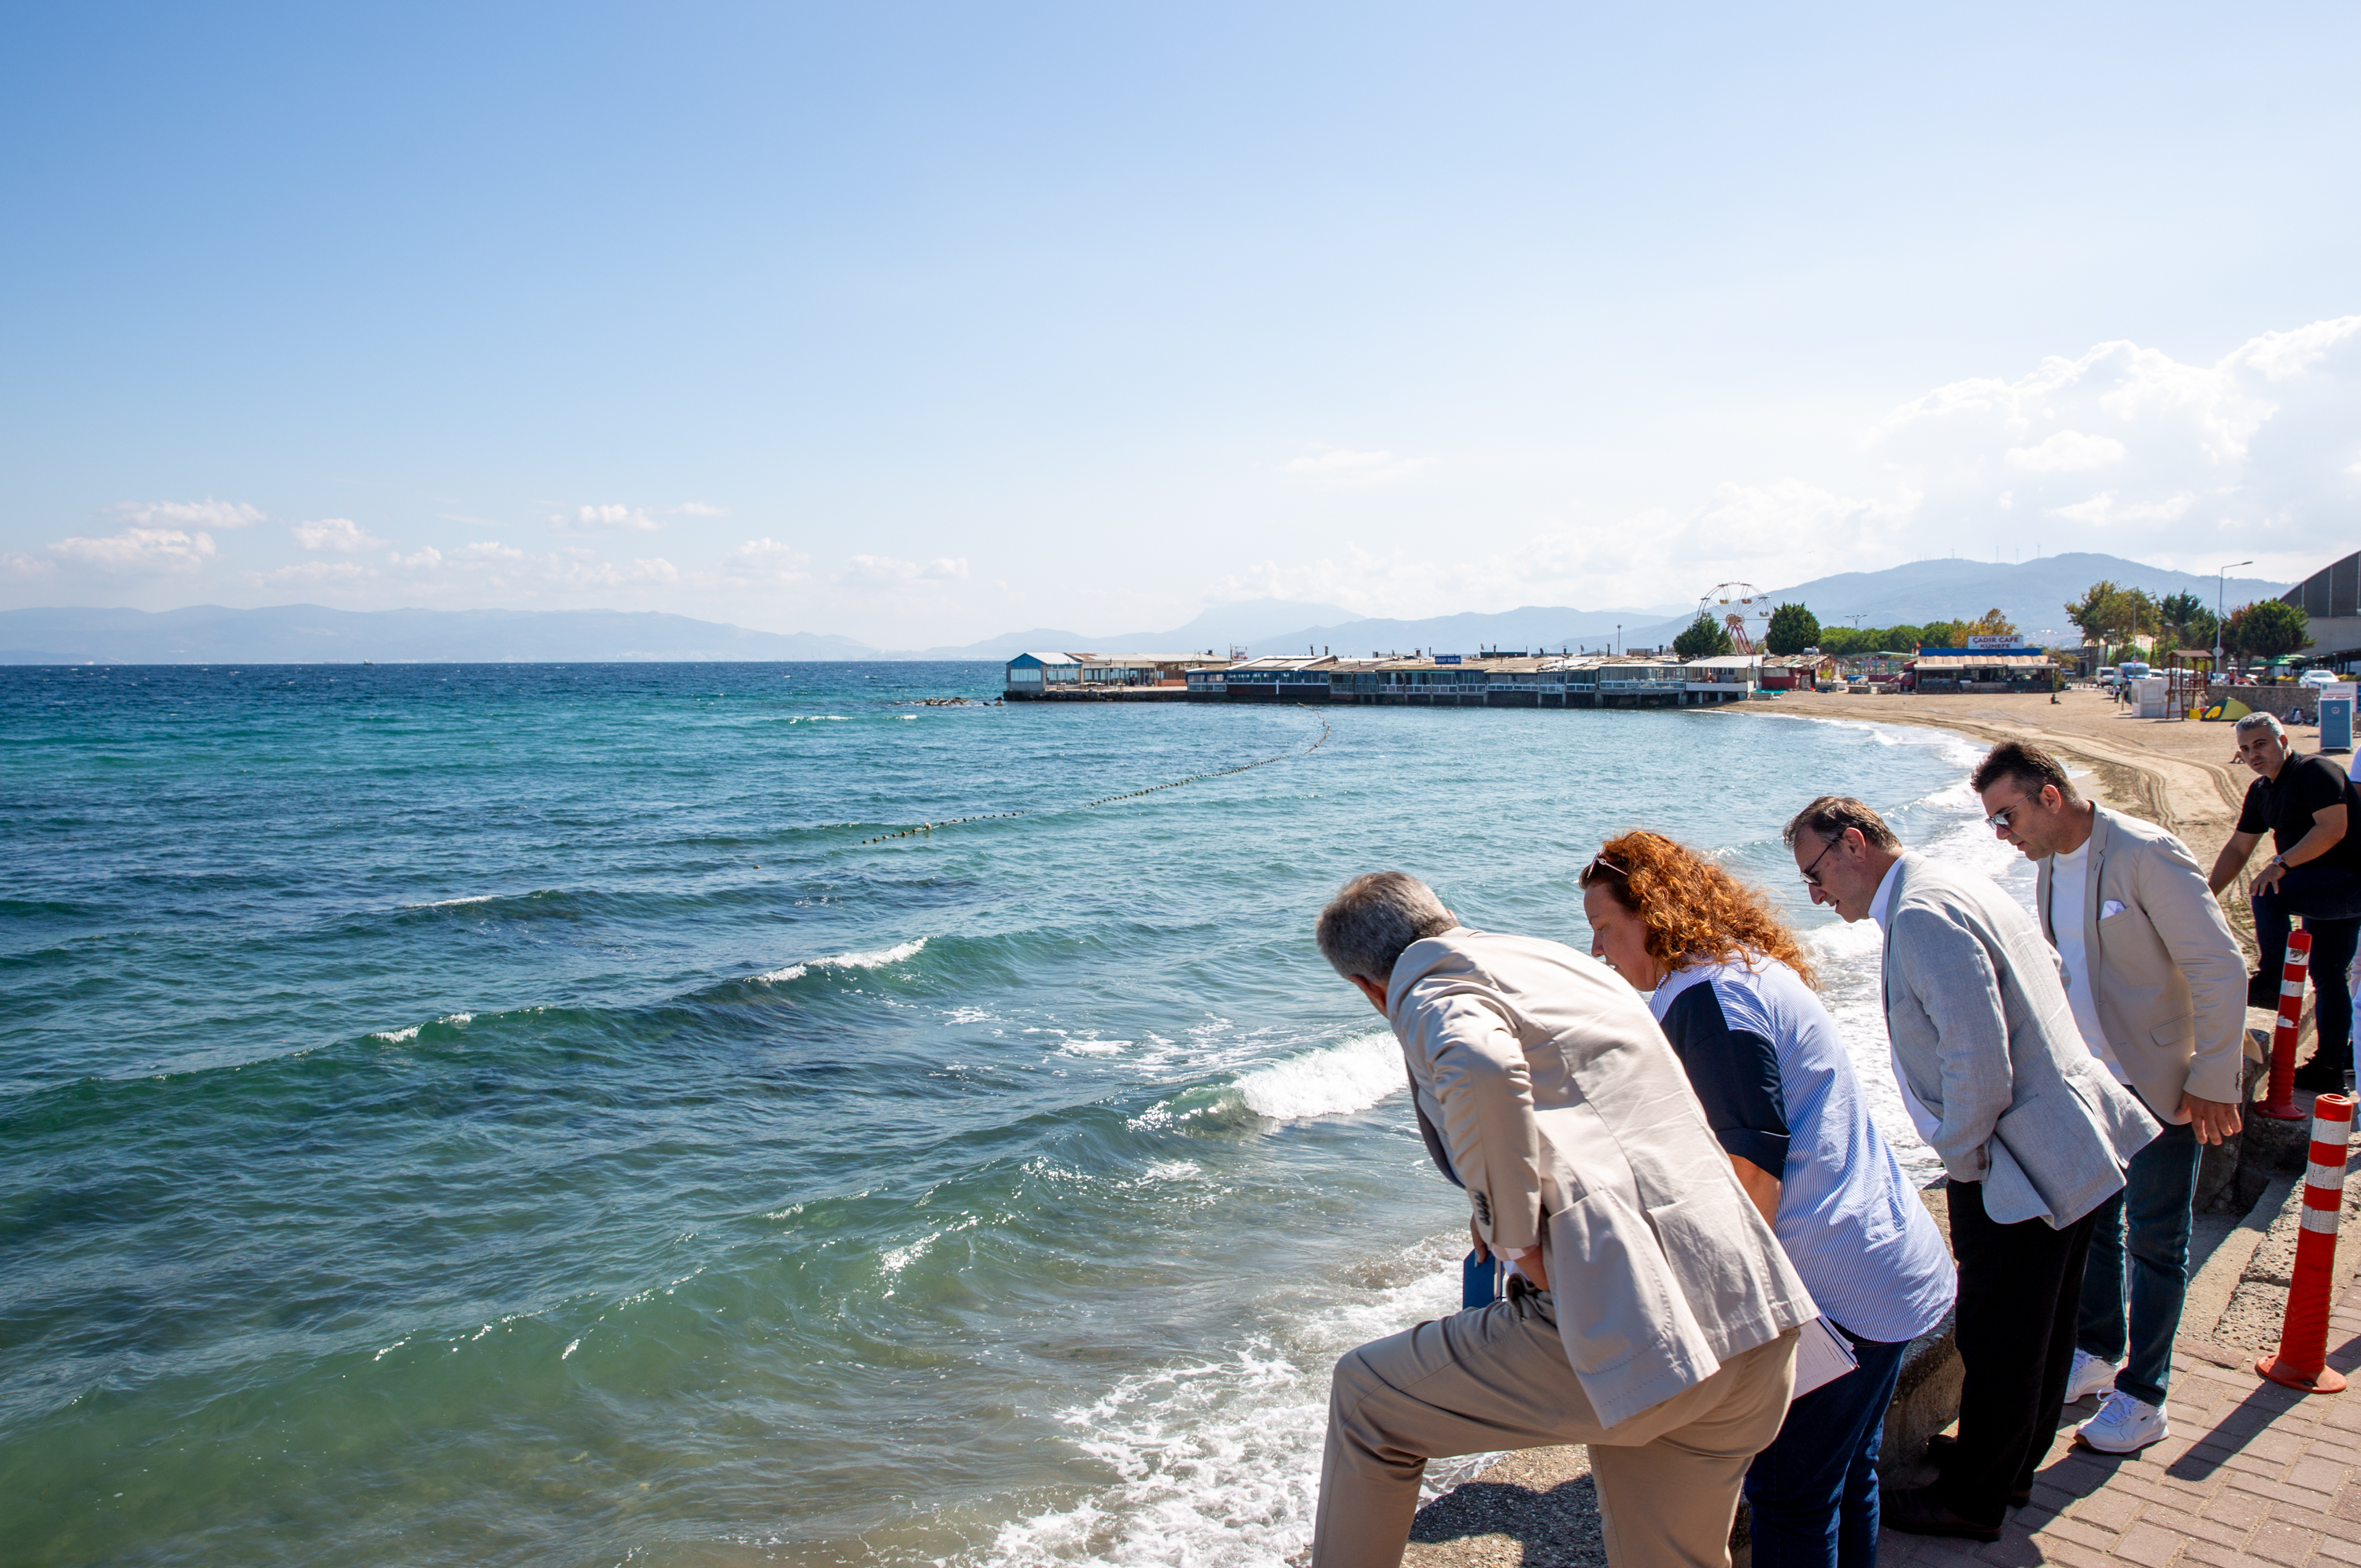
x,y
2309,806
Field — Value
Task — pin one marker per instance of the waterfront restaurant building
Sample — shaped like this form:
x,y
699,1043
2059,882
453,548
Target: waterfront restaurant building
x,y
1084,675
1986,670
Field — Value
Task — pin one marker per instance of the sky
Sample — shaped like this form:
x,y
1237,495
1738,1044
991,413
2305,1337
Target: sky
x,y
919,324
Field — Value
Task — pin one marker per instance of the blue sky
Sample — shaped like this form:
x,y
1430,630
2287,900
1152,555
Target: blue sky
x,y
917,324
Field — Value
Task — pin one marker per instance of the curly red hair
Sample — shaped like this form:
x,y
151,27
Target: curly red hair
x,y
1693,910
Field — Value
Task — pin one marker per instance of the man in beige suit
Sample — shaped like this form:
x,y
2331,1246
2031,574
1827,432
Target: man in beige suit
x,y
2158,990
1652,1313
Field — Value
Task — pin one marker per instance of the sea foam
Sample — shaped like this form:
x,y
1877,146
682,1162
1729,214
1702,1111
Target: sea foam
x,y
1332,1081
877,959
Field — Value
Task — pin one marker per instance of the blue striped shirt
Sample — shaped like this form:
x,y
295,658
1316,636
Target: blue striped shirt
x,y
1768,1065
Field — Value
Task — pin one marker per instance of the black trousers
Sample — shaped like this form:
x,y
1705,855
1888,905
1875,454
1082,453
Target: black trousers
x,y
2020,1287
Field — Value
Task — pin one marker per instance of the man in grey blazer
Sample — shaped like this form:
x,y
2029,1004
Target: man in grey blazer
x,y
2032,1134
2158,990
1651,1314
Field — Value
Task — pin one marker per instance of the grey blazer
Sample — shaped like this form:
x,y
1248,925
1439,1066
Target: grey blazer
x,y
1985,1038
2166,975
1545,1088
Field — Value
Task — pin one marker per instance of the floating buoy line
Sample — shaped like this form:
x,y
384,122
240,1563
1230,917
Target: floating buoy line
x,y
1111,799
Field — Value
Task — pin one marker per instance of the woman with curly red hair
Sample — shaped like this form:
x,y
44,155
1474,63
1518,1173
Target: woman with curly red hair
x,y
1731,988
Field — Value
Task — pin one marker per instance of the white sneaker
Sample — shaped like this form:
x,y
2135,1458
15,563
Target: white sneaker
x,y
2125,1425
2090,1375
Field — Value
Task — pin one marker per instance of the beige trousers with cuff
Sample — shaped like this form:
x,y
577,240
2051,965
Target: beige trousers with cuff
x,y
1496,1378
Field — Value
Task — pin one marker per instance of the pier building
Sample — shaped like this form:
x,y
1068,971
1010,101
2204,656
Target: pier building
x,y
1498,679
1092,676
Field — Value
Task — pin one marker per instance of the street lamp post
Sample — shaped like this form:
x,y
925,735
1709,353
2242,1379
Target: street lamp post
x,y
2221,577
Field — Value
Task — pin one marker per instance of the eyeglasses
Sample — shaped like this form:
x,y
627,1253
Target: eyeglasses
x,y
1999,819
1812,872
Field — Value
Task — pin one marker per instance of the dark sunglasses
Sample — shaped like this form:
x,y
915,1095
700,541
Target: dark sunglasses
x,y
1812,872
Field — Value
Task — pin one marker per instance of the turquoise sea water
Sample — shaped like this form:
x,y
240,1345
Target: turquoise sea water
x,y
509,1116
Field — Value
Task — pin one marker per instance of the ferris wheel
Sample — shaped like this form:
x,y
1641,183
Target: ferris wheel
x,y
1743,609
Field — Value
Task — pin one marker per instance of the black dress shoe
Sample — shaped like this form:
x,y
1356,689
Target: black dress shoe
x,y
2317,1077
1914,1511
1939,1449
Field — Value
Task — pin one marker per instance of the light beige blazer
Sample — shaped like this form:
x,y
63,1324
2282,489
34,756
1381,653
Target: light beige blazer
x,y
2165,974
1985,1038
1546,1089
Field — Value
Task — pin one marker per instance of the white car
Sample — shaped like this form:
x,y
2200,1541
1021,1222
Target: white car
x,y
2312,680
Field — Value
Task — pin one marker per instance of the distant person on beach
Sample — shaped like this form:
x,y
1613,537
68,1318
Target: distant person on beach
x,y
2158,990
2307,805
1544,1089
2032,1134
1733,994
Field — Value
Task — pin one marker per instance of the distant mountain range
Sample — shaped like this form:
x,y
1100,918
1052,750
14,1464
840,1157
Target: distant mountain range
x,y
2033,594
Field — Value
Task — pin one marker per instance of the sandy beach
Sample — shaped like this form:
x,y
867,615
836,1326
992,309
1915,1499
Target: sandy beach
x,y
2181,773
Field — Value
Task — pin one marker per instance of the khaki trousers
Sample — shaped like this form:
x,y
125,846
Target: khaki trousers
x,y
1496,1377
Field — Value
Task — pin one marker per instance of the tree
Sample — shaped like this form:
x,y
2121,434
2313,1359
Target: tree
x,y
2094,612
1793,629
2110,614
1992,623
1844,642
1705,637
1944,634
2186,622
2265,631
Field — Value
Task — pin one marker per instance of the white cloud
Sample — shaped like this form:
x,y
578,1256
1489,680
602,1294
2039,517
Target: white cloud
x,y
2067,452
765,560
317,573
1651,557
335,533
604,519
426,559
141,551
698,509
206,513
889,570
577,569
2104,510
1339,465
2253,454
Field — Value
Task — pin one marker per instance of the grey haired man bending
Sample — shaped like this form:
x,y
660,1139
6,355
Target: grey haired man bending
x,y
1652,1314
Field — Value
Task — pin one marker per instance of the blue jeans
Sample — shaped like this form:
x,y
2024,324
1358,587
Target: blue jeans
x,y
2328,899
2158,1186
1813,1493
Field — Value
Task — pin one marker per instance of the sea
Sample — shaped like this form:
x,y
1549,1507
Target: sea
x,y
757,1113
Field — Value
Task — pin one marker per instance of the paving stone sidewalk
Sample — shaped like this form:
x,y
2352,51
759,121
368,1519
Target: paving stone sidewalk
x,y
2253,1475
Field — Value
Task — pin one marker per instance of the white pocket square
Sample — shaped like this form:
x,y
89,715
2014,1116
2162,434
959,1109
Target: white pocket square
x,y
2110,908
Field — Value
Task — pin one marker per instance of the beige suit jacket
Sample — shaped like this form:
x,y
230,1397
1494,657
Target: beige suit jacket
x,y
1546,1089
2165,974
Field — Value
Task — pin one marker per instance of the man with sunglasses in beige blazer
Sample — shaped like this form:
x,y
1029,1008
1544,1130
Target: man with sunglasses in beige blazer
x,y
2158,990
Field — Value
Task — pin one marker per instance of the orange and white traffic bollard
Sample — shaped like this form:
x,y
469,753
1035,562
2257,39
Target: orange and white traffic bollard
x,y
2302,1359
2279,1103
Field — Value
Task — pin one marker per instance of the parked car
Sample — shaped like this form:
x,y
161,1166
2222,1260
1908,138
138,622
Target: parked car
x,y
2312,680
